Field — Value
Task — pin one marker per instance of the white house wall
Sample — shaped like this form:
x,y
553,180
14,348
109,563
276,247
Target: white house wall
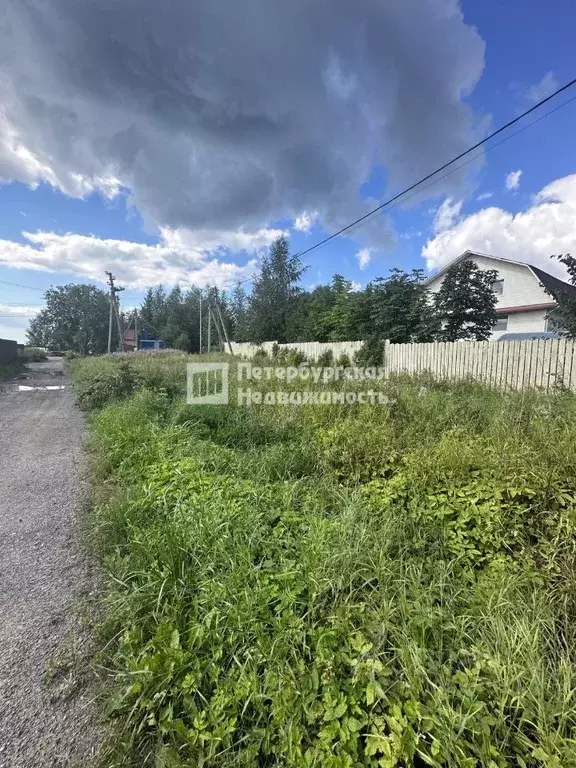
x,y
521,286
524,322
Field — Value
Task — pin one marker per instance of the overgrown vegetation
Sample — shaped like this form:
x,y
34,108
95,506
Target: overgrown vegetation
x,y
33,355
334,586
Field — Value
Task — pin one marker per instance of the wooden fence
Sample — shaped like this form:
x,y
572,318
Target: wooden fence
x,y
531,364
312,349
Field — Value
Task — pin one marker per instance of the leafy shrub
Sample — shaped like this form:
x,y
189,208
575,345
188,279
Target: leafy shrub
x,y
370,353
344,361
116,383
295,357
33,355
326,359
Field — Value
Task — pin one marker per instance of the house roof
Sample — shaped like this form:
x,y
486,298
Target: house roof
x,y
465,255
553,284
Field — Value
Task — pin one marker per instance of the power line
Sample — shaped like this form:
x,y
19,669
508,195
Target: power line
x,y
442,167
17,285
412,188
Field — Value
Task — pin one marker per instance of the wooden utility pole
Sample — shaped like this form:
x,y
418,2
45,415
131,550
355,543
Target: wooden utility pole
x,y
114,311
209,327
218,331
200,330
223,326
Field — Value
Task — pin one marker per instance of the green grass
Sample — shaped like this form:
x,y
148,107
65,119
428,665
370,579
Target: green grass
x,y
10,370
334,586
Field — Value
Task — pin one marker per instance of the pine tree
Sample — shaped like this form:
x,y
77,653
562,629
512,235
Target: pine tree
x,y
274,294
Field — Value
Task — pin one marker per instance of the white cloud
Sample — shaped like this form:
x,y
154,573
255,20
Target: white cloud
x,y
484,196
305,221
201,139
182,256
545,228
363,256
513,180
409,234
355,286
18,311
544,88
447,214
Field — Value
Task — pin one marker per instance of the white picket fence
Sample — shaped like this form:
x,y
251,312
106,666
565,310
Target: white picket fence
x,y
312,349
531,364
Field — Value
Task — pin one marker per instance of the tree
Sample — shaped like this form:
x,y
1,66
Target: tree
x,y
274,294
466,302
238,309
153,311
563,318
402,310
75,317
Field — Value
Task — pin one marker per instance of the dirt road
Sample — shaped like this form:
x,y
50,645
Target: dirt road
x,y
42,576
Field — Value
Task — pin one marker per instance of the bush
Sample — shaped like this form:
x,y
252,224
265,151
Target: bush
x,y
370,353
343,361
33,355
295,357
326,359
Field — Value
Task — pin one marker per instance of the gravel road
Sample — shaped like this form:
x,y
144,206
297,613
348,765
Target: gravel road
x,y
43,574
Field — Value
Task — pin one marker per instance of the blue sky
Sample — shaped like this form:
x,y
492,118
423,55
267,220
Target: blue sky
x,y
105,171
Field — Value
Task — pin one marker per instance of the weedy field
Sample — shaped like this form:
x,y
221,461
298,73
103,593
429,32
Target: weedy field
x,y
335,586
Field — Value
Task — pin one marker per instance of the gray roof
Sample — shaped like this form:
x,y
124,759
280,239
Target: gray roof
x,y
553,284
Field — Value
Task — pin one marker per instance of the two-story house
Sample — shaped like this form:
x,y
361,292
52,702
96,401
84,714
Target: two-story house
x,y
523,305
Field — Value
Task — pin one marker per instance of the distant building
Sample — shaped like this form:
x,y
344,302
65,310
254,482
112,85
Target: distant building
x,y
523,306
129,340
148,343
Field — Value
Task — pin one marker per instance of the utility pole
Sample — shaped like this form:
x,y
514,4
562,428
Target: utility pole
x,y
136,328
209,327
218,331
200,321
223,326
113,311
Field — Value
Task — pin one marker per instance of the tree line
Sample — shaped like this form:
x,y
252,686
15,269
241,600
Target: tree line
x,y
398,307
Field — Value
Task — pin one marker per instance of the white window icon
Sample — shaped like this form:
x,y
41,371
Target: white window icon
x,y
207,384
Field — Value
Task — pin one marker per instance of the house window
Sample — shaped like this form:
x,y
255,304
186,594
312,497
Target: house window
x,y
501,323
498,287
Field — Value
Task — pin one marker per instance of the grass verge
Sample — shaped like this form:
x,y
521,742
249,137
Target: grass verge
x,y
335,586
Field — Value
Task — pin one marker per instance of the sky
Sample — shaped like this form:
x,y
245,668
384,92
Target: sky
x,y
172,143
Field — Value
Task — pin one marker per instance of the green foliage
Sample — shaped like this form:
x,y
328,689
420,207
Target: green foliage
x,y
295,357
33,355
466,302
371,352
75,317
379,586
401,310
563,318
274,293
325,359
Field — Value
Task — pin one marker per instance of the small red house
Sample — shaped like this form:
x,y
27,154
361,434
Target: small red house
x,y
129,340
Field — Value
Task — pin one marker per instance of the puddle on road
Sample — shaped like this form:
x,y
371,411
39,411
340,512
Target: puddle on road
x,y
26,388
15,387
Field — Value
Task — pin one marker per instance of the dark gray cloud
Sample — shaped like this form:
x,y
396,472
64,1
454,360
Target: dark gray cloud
x,y
222,114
